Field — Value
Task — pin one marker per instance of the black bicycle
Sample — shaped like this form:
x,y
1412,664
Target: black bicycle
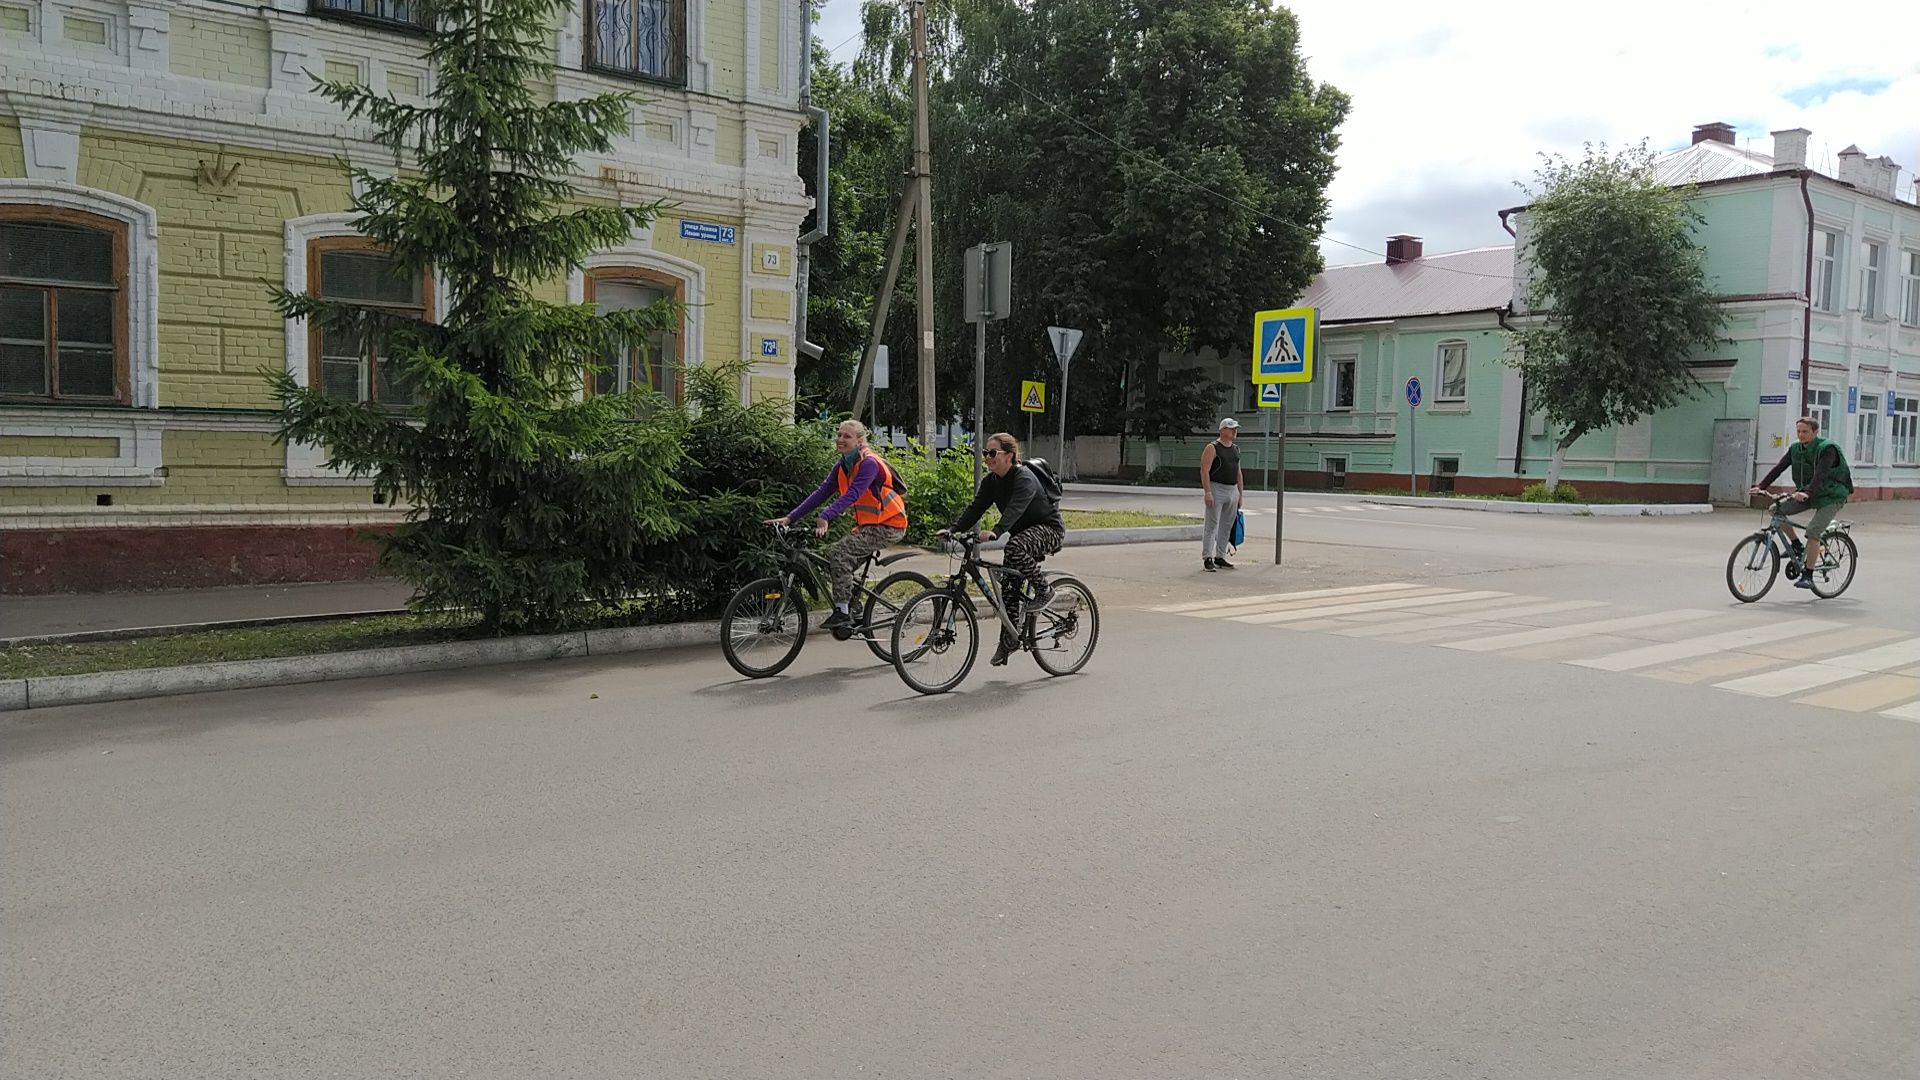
x,y
936,639
1756,561
765,624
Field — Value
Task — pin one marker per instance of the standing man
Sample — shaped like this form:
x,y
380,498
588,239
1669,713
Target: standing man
x,y
1224,484
1821,483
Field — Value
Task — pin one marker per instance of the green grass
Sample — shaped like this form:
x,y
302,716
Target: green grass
x,y
241,643
1118,519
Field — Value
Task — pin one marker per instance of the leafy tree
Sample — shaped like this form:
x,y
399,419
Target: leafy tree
x,y
1620,291
528,498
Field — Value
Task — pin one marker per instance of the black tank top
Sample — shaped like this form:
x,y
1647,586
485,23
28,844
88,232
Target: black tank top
x,y
1226,464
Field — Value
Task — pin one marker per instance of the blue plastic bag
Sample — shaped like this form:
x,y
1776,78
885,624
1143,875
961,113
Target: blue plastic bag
x,y
1239,528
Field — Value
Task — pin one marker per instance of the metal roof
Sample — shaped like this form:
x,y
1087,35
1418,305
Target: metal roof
x,y
1709,160
1475,280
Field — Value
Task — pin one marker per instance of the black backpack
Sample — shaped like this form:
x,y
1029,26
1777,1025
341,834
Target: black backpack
x,y
1049,480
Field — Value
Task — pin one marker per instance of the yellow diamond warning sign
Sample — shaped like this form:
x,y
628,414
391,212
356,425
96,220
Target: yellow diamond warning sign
x,y
1033,397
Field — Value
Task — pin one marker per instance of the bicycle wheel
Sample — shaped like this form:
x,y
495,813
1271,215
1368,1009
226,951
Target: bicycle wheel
x,y
763,627
1835,572
1751,568
1065,631
883,607
935,641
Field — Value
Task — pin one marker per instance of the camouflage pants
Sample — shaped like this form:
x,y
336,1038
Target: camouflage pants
x,y
848,552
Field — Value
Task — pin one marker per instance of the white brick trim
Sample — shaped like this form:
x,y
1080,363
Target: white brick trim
x,y
143,269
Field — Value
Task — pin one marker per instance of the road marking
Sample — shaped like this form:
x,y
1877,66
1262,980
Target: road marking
x,y
1870,693
1266,618
1562,633
1350,590
1479,618
1234,610
1648,655
1804,677
1905,712
1354,509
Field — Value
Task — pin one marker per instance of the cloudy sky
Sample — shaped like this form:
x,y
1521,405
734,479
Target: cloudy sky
x,y
1453,102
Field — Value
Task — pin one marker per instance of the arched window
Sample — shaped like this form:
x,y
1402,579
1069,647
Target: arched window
x,y
63,306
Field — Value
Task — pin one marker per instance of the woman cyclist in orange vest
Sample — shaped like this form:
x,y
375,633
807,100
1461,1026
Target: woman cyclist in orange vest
x,y
873,491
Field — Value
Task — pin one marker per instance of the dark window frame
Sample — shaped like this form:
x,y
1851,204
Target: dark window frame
x,y
317,250
324,9
677,50
676,290
122,374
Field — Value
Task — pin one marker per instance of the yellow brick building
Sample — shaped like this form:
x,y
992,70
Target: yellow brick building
x,y
163,161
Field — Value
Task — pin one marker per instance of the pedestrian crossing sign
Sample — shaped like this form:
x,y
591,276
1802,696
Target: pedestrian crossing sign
x,y
1283,343
1033,396
1270,396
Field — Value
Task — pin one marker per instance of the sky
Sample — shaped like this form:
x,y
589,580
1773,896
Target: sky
x,y
1453,103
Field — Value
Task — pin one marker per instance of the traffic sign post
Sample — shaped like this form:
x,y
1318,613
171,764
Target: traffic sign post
x,y
882,380
1065,340
1413,435
1033,399
1285,342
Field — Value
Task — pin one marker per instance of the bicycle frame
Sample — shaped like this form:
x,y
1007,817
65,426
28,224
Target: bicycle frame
x,y
978,570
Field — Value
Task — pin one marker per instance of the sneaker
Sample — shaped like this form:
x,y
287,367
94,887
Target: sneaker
x,y
1207,565
1042,596
1222,564
1805,582
837,620
1001,652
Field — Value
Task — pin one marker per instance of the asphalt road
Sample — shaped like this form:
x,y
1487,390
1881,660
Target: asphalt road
x,y
1300,847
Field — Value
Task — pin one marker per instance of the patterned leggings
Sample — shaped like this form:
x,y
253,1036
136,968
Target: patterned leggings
x,y
848,552
1025,551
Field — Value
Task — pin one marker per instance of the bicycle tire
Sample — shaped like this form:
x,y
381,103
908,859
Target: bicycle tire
x,y
1086,621
1744,554
880,637
1833,542
933,608
776,601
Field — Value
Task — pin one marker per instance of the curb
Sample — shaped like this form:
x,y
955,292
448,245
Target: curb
x,y
52,690
1505,506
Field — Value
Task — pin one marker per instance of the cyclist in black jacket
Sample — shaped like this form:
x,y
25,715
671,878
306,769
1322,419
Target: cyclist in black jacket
x,y
1029,518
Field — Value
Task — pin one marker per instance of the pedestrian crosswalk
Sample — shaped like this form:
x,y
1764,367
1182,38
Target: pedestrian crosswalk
x,y
1344,508
1753,652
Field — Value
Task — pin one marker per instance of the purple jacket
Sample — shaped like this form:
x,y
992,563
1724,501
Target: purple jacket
x,y
866,477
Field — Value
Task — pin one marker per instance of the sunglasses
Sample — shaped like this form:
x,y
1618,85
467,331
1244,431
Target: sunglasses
x,y
992,453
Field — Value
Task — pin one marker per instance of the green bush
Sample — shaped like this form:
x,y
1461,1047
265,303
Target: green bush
x,y
1537,493
1159,477
938,488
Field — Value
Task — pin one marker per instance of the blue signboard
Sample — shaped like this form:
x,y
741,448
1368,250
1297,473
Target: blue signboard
x,y
769,346
711,233
1270,396
1889,404
1853,400
1413,392
1794,375
1773,399
1283,343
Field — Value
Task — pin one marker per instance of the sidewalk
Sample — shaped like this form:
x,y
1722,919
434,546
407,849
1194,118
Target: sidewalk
x,y
33,616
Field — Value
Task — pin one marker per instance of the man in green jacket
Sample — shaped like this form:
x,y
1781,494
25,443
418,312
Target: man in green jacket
x,y
1821,483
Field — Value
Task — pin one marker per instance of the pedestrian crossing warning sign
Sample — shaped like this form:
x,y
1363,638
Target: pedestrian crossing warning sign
x,y
1033,396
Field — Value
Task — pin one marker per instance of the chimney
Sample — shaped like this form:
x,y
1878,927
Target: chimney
x,y
1790,148
1402,248
1714,132
1854,168
1887,175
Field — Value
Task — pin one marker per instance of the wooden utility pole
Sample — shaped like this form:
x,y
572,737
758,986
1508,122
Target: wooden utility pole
x,y
883,300
923,182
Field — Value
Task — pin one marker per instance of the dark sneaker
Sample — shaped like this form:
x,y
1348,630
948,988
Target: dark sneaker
x,y
1805,582
1042,596
1001,652
1207,565
837,620
1222,564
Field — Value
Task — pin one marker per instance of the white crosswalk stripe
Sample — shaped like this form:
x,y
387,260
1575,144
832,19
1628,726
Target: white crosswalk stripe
x,y
1744,653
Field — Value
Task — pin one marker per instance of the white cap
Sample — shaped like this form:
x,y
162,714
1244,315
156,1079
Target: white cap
x,y
1229,422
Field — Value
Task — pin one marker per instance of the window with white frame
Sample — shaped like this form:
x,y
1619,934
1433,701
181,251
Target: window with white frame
x,y
1341,386
1906,429
653,363
1451,384
1910,290
1820,408
1826,263
347,366
1870,255
1866,430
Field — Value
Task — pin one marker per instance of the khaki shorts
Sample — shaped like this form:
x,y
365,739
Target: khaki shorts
x,y
1822,516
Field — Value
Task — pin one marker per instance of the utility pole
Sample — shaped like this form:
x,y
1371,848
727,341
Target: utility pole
x,y
883,300
923,180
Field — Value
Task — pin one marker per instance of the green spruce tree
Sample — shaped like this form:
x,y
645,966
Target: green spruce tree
x,y
527,497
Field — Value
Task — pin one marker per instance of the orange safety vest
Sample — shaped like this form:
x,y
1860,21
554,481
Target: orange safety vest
x,y
880,504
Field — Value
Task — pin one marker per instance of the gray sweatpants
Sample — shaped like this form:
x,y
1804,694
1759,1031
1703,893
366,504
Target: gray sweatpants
x,y
1217,537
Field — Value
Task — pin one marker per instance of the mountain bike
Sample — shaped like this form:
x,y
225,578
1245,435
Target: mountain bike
x,y
936,639
765,624
1756,560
